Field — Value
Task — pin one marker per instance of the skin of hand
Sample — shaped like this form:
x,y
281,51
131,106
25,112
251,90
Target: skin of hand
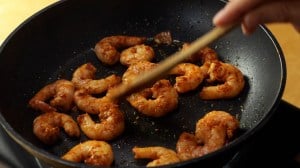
x,y
251,13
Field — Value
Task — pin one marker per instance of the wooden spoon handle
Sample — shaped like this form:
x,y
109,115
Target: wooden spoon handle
x,y
166,65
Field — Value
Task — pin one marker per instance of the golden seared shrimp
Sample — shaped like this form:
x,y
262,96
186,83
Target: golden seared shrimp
x,y
205,55
91,152
111,124
83,97
189,77
156,101
136,69
87,103
107,48
213,131
47,126
187,147
232,78
61,92
160,155
136,53
83,78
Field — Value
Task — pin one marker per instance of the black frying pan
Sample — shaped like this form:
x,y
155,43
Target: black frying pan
x,y
51,44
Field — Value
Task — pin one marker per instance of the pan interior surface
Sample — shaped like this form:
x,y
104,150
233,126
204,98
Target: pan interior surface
x,y
56,41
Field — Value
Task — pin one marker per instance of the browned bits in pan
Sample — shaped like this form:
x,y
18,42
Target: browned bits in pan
x,y
163,38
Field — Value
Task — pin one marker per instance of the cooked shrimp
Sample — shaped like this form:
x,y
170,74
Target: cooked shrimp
x,y
213,131
223,72
61,92
87,103
83,78
136,69
82,73
83,97
107,48
136,53
190,77
156,101
188,147
111,124
160,155
47,126
91,152
205,55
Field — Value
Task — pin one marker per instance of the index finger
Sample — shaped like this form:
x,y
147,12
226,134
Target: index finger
x,y
234,11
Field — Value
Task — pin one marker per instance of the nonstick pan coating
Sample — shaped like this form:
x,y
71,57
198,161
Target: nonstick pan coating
x,y
54,42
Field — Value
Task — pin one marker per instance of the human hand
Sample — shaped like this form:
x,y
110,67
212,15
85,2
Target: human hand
x,y
251,13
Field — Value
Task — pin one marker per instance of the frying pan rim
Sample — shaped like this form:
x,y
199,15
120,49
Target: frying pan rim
x,y
43,154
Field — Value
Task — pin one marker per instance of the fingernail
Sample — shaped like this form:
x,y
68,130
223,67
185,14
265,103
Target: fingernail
x,y
217,19
247,26
245,30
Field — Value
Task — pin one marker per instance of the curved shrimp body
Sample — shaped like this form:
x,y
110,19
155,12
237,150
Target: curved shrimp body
x,y
232,78
111,124
47,126
208,55
91,152
136,69
107,48
156,101
83,74
189,77
60,92
204,55
160,155
136,53
215,129
83,78
89,104
187,147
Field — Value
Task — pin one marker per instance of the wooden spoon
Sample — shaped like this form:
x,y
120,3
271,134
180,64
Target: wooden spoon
x,y
166,65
